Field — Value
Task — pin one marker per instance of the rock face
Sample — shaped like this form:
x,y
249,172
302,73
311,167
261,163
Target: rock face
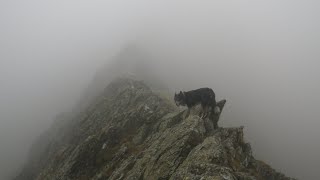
x,y
132,133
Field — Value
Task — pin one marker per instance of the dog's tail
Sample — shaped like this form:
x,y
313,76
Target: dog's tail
x,y
216,110
218,107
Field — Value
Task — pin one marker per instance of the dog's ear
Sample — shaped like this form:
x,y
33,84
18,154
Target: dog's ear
x,y
180,92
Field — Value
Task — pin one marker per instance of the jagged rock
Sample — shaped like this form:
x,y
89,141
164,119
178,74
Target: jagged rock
x,y
132,133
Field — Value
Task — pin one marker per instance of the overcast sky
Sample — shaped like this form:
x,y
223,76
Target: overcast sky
x,y
262,56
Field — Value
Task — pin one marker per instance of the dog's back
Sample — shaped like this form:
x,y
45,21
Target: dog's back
x,y
203,96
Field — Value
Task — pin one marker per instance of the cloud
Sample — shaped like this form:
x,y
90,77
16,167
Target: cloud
x,y
260,55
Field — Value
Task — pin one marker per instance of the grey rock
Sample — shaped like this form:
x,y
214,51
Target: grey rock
x,y
129,132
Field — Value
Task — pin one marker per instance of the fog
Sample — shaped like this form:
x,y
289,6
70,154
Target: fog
x,y
262,56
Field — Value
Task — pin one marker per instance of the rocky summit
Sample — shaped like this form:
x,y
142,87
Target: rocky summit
x,y
130,132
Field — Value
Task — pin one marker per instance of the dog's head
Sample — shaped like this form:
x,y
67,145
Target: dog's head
x,y
179,99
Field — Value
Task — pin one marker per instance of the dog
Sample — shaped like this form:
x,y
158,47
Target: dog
x,y
203,96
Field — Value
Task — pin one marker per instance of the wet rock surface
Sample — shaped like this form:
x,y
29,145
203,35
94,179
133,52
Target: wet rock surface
x,y
129,132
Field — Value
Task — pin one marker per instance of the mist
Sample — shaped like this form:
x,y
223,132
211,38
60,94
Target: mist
x,y
260,56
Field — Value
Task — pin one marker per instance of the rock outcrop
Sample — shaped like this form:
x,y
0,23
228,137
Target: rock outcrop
x,y
132,133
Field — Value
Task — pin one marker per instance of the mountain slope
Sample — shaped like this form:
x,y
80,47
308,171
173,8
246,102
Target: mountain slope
x,y
132,133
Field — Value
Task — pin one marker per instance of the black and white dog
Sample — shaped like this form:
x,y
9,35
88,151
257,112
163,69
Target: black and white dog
x,y
204,96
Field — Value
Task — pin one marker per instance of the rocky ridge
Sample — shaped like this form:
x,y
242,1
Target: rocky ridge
x,y
130,132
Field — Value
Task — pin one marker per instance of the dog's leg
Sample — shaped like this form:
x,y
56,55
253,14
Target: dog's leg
x,y
201,115
188,112
208,111
201,111
204,111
